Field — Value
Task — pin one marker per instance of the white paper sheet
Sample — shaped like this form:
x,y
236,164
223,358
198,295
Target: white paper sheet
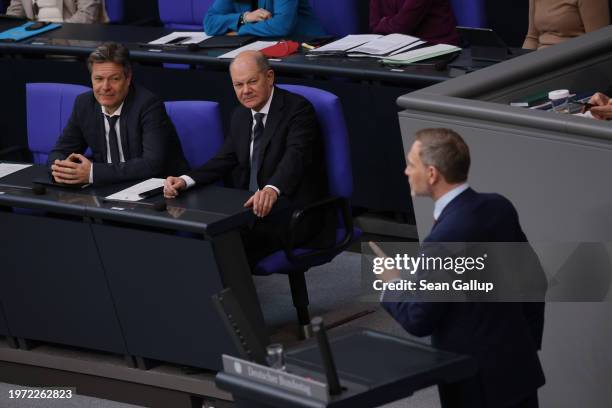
x,y
10,168
256,46
131,193
386,45
346,43
195,37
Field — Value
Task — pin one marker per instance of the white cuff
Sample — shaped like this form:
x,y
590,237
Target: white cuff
x,y
189,182
91,174
273,188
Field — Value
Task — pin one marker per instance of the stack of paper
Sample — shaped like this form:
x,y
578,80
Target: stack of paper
x,y
385,46
256,46
421,54
133,193
10,168
181,38
345,44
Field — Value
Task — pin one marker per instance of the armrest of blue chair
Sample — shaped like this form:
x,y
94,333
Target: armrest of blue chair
x,y
341,204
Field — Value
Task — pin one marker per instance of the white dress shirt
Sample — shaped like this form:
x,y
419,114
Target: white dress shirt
x,y
106,134
266,108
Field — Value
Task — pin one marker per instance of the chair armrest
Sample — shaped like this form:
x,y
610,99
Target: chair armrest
x,y
339,203
13,149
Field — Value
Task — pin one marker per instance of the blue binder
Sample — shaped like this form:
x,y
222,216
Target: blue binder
x,y
20,33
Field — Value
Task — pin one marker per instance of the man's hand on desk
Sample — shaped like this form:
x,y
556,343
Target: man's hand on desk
x,y
73,170
172,186
603,106
262,201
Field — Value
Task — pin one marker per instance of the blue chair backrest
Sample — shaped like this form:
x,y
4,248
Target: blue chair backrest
x,y
338,17
198,125
183,14
335,136
470,13
48,107
115,10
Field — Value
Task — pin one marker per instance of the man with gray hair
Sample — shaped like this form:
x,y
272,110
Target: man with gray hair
x,y
125,126
274,147
502,337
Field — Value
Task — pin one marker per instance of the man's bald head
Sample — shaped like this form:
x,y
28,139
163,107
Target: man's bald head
x,y
252,78
251,57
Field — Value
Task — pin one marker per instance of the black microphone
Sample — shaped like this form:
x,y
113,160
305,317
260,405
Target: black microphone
x,y
326,355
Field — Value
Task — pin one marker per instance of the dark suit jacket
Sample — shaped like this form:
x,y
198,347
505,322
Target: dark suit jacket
x,y
503,337
292,151
151,147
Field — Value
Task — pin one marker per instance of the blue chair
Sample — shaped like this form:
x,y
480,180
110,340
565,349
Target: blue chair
x,y
296,261
48,107
115,10
183,14
338,17
198,125
470,13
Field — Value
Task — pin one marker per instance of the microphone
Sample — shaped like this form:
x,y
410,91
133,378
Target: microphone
x,y
326,355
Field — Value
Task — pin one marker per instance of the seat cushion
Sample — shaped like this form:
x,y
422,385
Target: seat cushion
x,y
279,263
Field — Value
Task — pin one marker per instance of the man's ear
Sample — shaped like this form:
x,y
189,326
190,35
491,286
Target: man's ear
x,y
433,175
270,75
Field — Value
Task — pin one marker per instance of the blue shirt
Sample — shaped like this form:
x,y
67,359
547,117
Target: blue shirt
x,y
289,18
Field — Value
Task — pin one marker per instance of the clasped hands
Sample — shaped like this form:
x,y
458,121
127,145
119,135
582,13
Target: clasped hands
x,y
75,169
261,202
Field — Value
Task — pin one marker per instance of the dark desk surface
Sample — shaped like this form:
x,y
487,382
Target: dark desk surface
x,y
375,368
206,209
81,39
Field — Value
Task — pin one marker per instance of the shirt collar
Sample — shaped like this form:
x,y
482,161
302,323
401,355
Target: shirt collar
x,y
266,107
116,113
443,201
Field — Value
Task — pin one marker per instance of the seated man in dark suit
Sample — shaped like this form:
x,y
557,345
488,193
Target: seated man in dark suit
x,y
502,337
274,148
125,126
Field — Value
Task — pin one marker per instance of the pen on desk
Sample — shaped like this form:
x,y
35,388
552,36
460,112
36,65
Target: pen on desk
x,y
308,46
586,106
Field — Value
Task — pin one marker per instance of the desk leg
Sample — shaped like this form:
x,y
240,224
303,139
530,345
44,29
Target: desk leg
x,y
236,274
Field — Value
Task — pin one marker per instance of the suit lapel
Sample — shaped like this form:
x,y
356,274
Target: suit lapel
x,y
272,121
244,129
123,121
100,122
455,204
